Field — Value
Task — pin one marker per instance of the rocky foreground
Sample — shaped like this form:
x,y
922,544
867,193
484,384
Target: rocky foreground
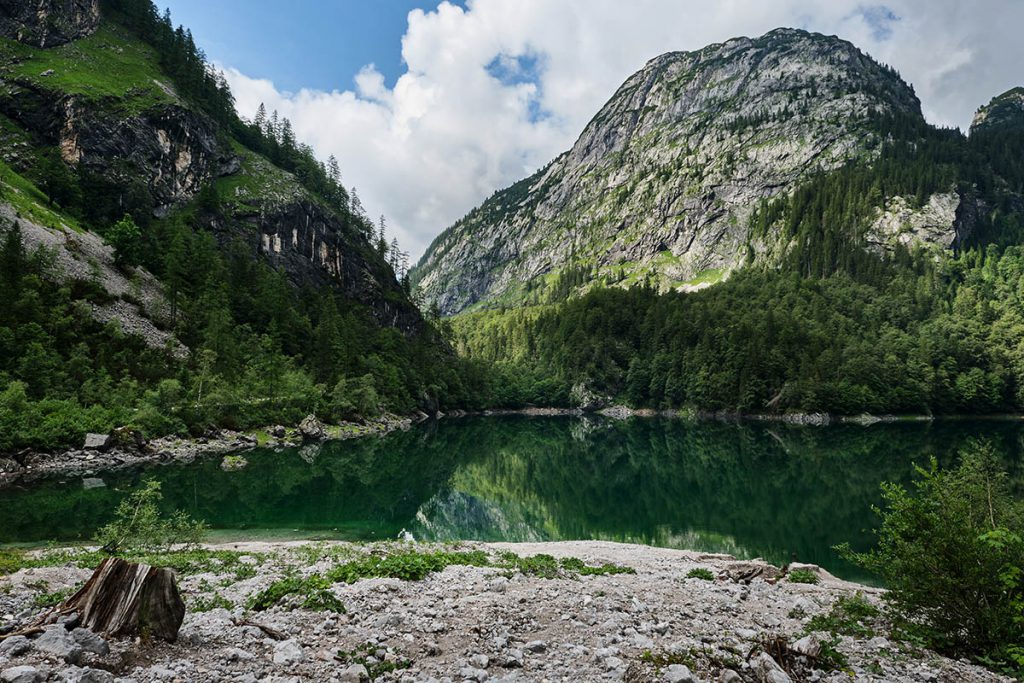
x,y
746,621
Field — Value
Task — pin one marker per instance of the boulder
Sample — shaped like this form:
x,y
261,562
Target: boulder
x,y
93,483
56,642
355,673
278,432
21,674
311,428
90,642
97,442
15,646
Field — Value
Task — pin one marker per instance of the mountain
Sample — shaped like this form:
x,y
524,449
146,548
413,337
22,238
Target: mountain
x,y
1004,111
673,182
171,267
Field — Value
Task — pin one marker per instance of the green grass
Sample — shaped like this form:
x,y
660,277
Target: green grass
x,y
700,573
257,183
194,561
30,202
109,65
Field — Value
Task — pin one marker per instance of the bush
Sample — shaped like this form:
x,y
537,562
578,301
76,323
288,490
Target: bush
x,y
140,527
802,576
952,555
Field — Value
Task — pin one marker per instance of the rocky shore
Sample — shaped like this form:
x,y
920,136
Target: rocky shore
x,y
107,453
681,617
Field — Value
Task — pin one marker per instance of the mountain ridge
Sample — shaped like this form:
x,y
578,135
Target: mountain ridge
x,y
664,181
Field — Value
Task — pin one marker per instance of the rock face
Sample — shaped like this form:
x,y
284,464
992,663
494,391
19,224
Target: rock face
x,y
47,23
1006,110
662,182
143,143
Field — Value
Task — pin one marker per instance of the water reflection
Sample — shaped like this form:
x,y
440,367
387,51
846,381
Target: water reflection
x,y
774,491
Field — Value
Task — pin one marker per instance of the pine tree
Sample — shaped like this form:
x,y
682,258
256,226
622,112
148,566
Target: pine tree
x,y
382,240
395,253
261,118
356,206
333,172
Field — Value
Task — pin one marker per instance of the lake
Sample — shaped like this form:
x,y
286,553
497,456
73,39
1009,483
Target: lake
x,y
767,490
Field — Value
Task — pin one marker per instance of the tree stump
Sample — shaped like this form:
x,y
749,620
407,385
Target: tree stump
x,y
126,599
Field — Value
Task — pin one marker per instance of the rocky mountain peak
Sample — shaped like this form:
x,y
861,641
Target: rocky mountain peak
x,y
662,181
1003,110
48,23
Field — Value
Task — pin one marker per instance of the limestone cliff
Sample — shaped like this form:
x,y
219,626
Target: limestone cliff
x,y
47,23
662,183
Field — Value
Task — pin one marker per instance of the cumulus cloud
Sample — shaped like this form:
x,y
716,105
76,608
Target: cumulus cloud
x,y
493,91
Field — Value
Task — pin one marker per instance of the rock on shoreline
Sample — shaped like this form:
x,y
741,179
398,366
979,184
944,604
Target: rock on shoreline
x,y
469,623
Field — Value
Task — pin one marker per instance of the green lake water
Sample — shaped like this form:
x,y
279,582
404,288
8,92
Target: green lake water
x,y
753,490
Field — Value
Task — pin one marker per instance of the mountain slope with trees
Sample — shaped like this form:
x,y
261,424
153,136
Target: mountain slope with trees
x,y
240,284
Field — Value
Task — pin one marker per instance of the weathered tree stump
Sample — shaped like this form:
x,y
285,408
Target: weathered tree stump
x,y
126,599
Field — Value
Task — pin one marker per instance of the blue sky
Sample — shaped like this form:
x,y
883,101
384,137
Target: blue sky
x,y
303,43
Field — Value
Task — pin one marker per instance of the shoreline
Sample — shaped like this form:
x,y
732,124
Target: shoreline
x,y
28,466
676,616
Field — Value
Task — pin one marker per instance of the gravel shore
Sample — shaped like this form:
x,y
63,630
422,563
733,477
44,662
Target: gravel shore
x,y
470,623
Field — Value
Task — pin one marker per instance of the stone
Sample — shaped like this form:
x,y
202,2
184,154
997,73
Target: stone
x,y
21,674
15,646
536,646
480,661
90,642
311,429
288,652
56,642
278,432
93,483
678,673
353,674
729,676
95,676
768,670
96,442
809,645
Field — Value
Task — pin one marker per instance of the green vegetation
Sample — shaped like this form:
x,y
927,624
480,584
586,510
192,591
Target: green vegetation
x,y
951,552
140,527
263,353
378,665
929,337
850,616
700,573
407,565
802,576
311,592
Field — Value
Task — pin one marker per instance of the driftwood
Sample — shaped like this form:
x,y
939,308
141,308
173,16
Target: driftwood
x,y
126,599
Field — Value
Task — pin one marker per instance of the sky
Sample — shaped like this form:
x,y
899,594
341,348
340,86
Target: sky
x,y
432,105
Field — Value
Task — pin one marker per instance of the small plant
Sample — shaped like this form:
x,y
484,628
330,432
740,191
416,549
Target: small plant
x,y
370,656
140,527
407,565
700,573
849,616
314,593
663,659
52,599
548,567
802,576
11,560
205,603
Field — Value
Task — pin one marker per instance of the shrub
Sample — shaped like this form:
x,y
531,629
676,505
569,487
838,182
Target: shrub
x,y
849,616
802,576
951,552
140,527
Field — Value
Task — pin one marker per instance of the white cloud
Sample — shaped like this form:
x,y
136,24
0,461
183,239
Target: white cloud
x,y
451,131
